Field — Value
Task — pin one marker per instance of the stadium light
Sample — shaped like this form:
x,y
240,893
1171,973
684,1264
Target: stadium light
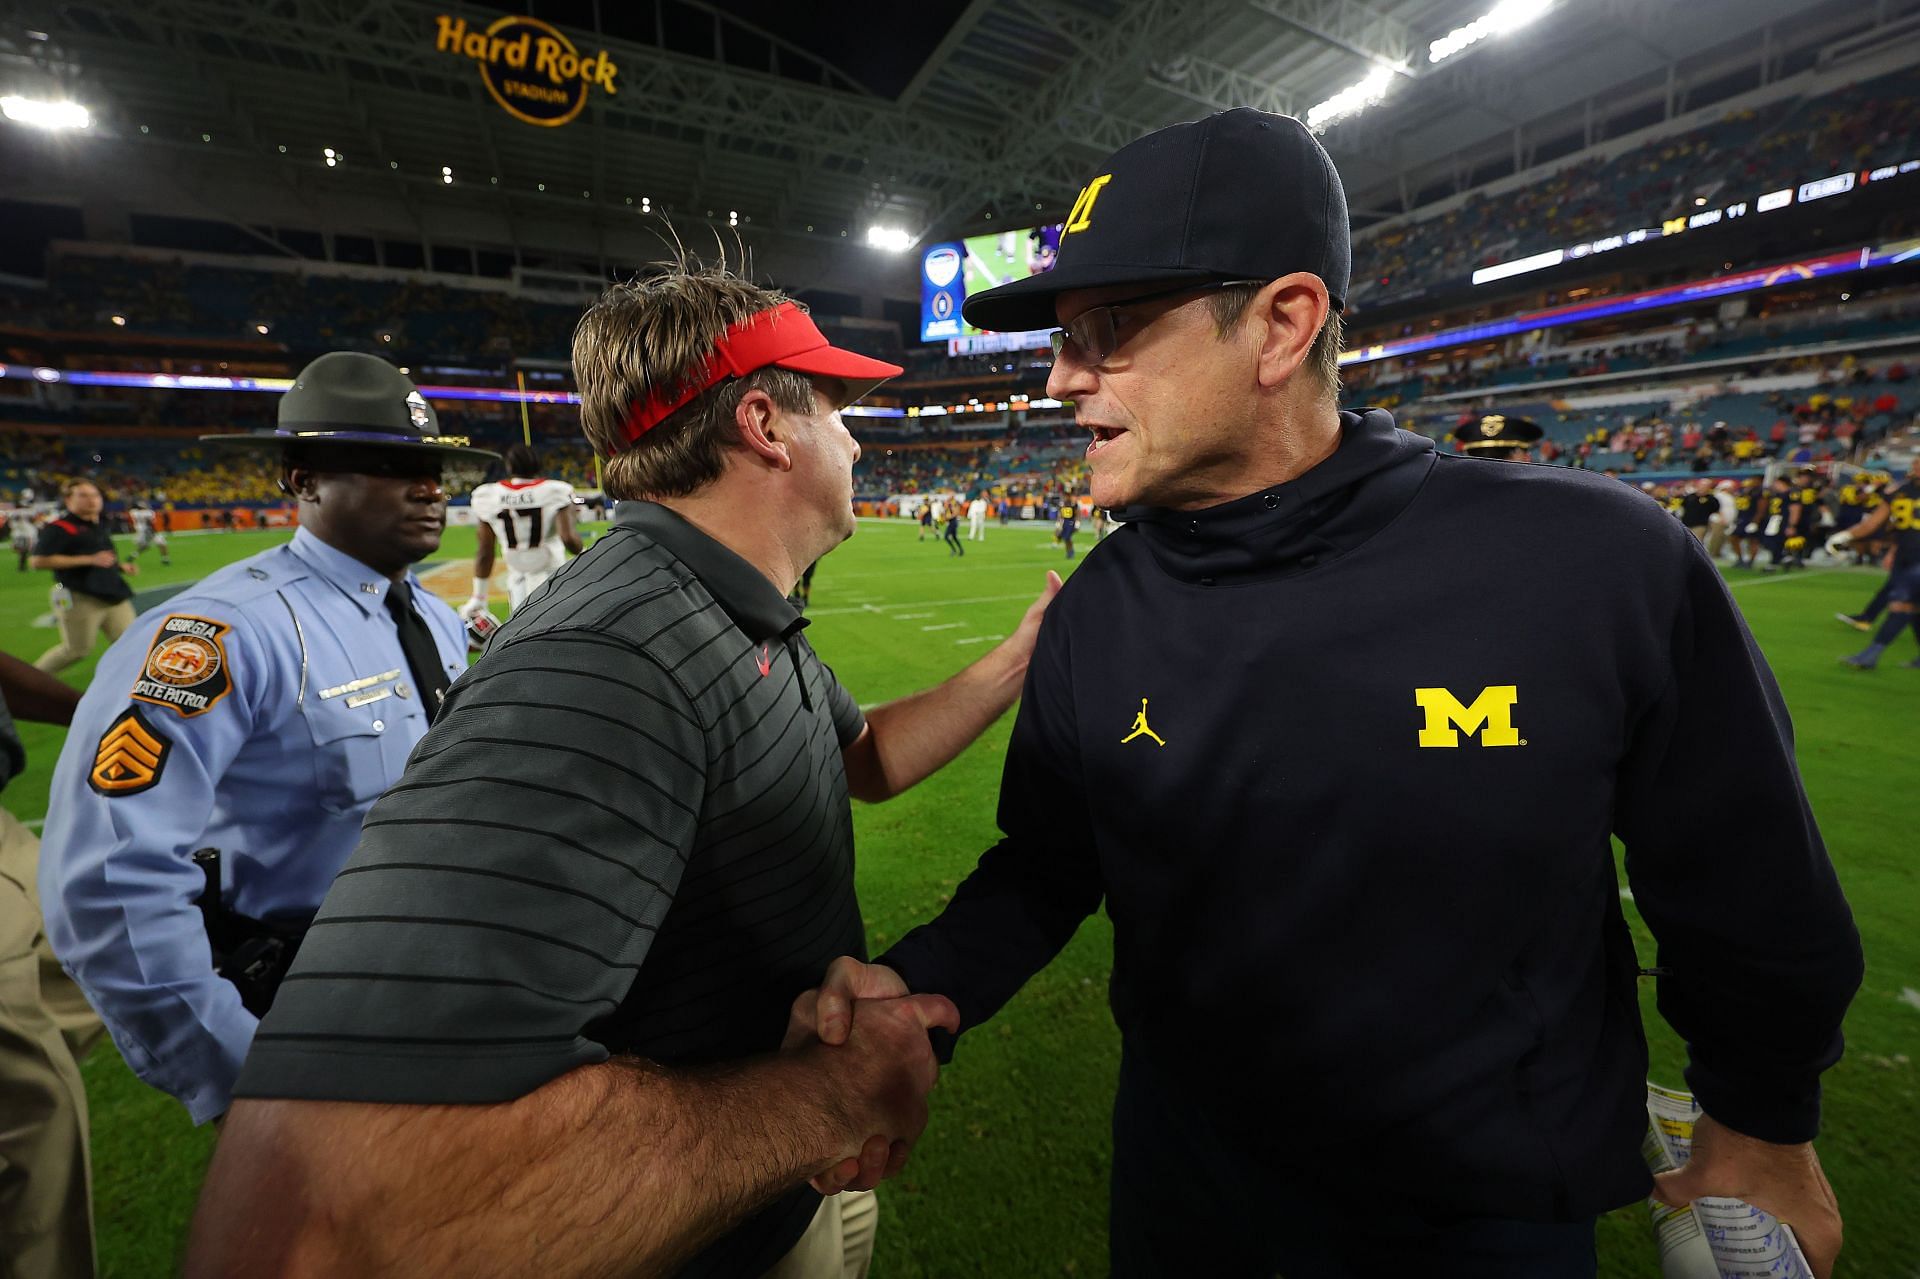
x,y
889,239
261,329
1351,100
1507,16
45,115
119,321
446,174
332,157
733,217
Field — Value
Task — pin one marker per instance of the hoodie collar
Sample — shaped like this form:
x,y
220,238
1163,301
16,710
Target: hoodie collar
x,y
1294,527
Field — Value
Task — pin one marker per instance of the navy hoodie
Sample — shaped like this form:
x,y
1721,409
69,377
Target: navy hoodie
x,y
1365,913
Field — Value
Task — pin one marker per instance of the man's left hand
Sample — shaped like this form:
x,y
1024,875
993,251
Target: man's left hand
x,y
130,567
1784,1180
1020,643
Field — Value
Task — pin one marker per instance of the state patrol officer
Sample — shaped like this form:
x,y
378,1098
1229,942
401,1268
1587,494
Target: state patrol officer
x,y
1511,439
260,714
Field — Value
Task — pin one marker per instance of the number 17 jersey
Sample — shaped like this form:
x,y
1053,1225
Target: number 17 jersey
x,y
522,514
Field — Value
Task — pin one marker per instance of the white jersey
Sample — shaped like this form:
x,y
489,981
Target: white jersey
x,y
143,521
522,514
20,525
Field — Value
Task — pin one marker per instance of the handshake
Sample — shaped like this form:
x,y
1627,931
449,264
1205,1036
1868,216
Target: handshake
x,y
867,1036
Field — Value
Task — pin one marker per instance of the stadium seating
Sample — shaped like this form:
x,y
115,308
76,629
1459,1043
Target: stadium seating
x,y
1747,150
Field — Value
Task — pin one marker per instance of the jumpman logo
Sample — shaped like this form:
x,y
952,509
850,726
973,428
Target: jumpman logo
x,y
1140,728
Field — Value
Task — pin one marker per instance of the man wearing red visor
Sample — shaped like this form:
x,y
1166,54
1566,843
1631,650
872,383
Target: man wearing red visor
x,y
537,1026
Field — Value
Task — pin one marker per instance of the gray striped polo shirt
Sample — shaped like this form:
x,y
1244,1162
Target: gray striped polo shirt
x,y
627,832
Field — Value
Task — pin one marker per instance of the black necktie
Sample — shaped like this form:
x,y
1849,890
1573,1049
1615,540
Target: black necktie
x,y
416,641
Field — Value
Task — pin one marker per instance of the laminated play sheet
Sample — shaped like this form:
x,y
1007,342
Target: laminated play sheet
x,y
1710,1238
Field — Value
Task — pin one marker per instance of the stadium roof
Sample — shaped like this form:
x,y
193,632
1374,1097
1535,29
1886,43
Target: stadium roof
x,y
806,124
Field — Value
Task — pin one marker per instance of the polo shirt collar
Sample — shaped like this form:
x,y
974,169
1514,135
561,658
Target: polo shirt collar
x,y
759,610
353,579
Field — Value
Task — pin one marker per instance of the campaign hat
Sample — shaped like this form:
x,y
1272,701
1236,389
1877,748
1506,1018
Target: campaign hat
x,y
347,403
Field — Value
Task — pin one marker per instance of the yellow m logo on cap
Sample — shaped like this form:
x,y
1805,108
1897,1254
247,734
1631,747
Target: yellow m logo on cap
x,y
1080,217
1490,715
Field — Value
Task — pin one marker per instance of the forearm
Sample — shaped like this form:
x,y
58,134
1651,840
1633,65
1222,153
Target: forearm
x,y
1006,922
182,1027
34,695
59,562
633,1166
914,737
1762,960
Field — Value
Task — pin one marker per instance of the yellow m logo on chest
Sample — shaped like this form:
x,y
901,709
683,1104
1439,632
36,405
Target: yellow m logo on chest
x,y
1490,715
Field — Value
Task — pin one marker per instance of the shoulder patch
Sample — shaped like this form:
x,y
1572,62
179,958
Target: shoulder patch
x,y
186,666
131,756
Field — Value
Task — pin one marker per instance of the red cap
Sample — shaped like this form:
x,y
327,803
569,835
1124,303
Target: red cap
x,y
784,337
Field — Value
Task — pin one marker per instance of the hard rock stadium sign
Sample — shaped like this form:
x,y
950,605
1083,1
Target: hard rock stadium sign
x,y
531,70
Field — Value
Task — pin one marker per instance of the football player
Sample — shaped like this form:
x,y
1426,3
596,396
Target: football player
x,y
533,517
1900,515
148,533
22,528
1748,503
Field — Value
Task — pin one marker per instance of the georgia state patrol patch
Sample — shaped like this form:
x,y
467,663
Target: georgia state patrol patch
x,y
186,666
130,757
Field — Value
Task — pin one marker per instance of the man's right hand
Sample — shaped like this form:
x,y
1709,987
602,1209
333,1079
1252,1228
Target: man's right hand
x,y
824,1015
882,1073
104,559
472,608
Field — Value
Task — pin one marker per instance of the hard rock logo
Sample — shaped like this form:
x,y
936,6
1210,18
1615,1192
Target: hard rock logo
x,y
532,70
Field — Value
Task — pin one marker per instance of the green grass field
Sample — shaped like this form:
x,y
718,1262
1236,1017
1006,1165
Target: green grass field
x,y
1010,1179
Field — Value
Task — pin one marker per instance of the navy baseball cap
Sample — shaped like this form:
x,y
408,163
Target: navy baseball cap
x,y
1240,195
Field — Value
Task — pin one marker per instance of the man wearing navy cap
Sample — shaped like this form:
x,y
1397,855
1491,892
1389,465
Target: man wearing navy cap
x,y
1346,782
260,714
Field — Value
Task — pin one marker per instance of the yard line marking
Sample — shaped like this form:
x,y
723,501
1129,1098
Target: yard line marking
x,y
1626,894
944,626
1052,561
977,599
910,617
35,824
977,639
1910,997
1801,576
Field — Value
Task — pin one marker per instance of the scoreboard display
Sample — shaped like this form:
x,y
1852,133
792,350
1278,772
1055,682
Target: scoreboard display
x,y
953,270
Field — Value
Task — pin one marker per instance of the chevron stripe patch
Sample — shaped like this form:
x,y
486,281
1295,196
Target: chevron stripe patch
x,y
131,756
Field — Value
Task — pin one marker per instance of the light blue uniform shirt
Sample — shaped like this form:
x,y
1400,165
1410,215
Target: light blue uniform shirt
x,y
260,712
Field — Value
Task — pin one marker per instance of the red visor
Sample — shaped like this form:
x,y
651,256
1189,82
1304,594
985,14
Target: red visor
x,y
784,337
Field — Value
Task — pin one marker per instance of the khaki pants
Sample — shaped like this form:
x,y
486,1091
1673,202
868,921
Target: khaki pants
x,y
839,1243
80,624
46,1208
1716,540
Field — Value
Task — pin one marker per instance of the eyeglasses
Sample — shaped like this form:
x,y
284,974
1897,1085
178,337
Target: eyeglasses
x,y
1093,332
